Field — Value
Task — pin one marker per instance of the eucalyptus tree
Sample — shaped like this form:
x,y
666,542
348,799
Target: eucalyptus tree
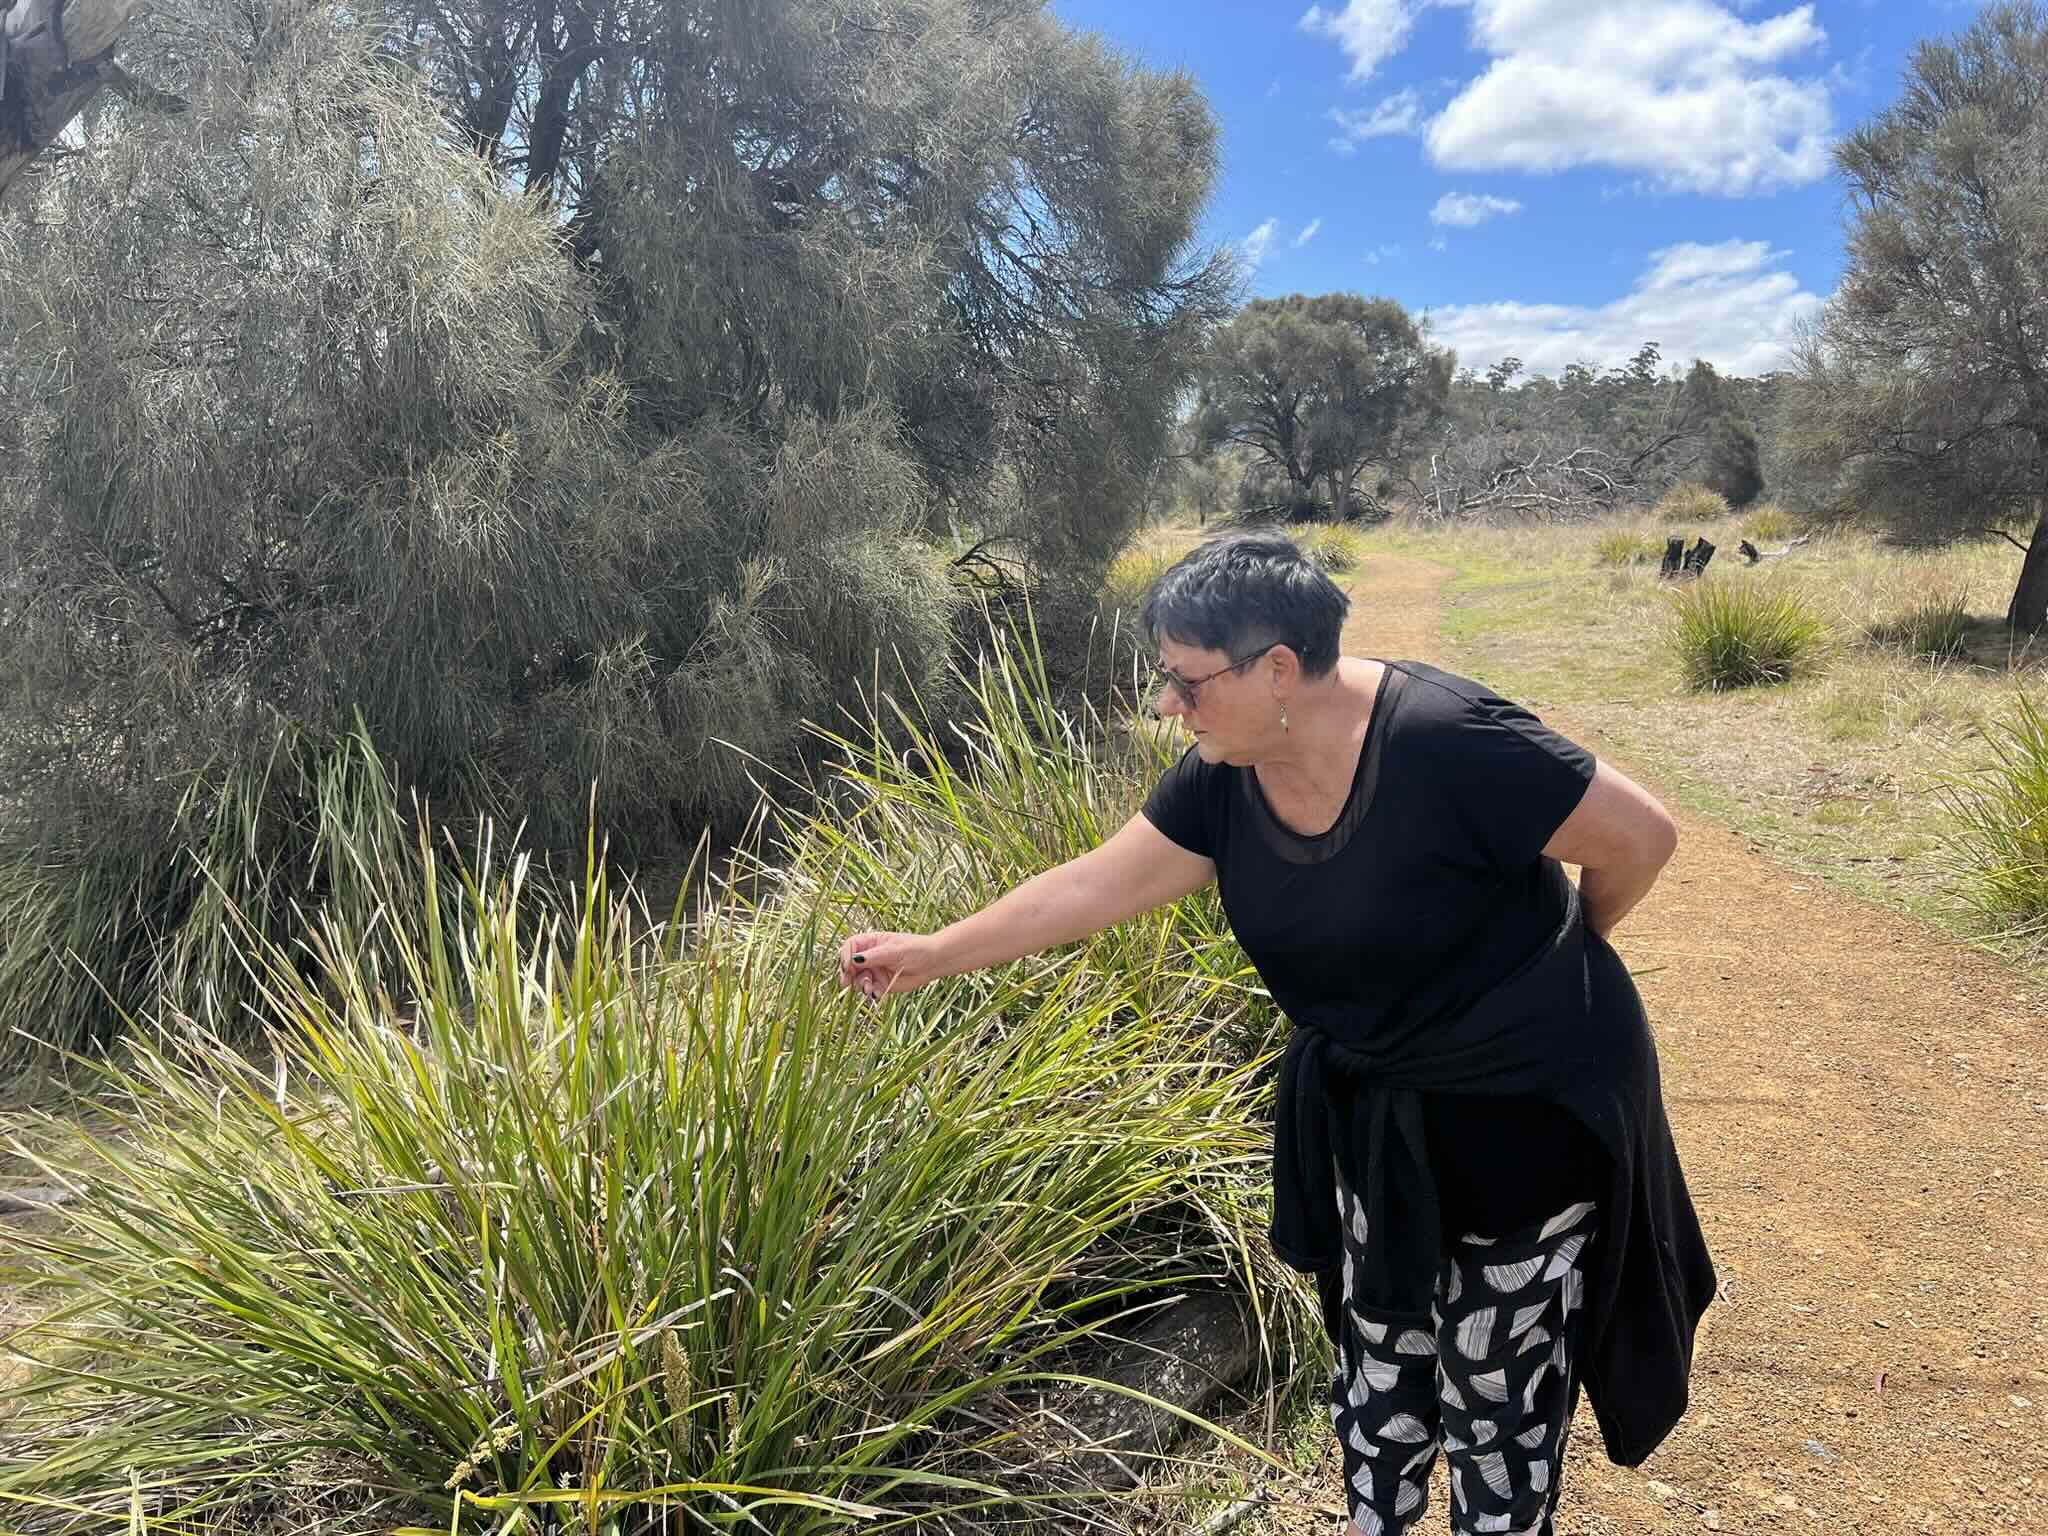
x,y
1317,389
1924,388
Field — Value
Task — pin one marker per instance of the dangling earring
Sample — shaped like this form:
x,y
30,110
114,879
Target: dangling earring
x,y
1283,717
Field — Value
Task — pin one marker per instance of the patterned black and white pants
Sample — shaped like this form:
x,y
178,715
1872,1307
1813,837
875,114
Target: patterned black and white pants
x,y
1487,1375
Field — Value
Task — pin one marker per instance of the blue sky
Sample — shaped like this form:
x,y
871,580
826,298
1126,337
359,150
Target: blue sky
x,y
1555,179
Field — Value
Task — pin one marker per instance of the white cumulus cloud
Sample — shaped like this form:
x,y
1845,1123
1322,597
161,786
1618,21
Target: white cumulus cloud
x,y
1465,209
1729,303
1396,114
1253,247
1309,233
1691,95
1369,31
1685,91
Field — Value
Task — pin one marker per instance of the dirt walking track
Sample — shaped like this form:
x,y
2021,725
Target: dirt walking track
x,y
1862,1111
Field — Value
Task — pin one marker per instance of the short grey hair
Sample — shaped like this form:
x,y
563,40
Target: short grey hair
x,y
1236,593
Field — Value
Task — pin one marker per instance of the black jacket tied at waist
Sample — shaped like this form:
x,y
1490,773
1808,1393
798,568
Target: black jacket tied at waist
x,y
1567,1026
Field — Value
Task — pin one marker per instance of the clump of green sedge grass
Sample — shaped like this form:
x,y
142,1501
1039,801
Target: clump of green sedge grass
x,y
1936,626
1334,548
1998,845
1739,632
124,911
570,1220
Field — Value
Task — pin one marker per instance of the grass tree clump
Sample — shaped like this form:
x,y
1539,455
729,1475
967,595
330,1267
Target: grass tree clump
x,y
1691,503
1998,847
574,1222
1627,546
1936,626
1743,631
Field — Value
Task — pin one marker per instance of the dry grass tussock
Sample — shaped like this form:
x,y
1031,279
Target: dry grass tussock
x,y
1688,503
1628,546
1336,549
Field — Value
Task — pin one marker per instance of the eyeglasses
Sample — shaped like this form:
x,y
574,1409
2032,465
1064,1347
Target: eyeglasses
x,y
1186,686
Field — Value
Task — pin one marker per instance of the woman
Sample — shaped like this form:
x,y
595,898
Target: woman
x,y
1471,1152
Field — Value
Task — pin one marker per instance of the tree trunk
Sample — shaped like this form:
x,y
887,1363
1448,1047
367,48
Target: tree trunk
x,y
2029,607
564,56
57,54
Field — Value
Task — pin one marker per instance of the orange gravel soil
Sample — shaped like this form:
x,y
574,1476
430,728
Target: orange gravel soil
x,y
1862,1111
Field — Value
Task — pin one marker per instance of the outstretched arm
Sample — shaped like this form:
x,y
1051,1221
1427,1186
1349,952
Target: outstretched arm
x,y
1134,871
1620,838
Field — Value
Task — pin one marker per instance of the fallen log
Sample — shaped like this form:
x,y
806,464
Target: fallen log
x,y
1752,554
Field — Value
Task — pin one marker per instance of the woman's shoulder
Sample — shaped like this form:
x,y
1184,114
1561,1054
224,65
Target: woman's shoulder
x,y
1431,696
1443,711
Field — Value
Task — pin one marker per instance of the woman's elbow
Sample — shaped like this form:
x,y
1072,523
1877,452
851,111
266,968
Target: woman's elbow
x,y
1660,839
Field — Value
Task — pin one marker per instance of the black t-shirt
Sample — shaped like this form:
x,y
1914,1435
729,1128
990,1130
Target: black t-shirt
x,y
1429,889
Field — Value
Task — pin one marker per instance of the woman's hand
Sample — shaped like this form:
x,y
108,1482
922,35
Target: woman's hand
x,y
879,963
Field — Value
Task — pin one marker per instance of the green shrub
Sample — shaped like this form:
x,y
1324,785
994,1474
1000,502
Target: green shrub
x,y
1741,631
1627,546
1936,626
1691,503
542,529
616,1225
1333,547
1998,849
1767,524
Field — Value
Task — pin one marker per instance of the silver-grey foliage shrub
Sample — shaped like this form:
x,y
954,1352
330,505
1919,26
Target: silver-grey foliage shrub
x,y
314,418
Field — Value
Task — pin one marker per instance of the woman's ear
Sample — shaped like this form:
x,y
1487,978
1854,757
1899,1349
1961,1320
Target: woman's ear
x,y
1286,667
